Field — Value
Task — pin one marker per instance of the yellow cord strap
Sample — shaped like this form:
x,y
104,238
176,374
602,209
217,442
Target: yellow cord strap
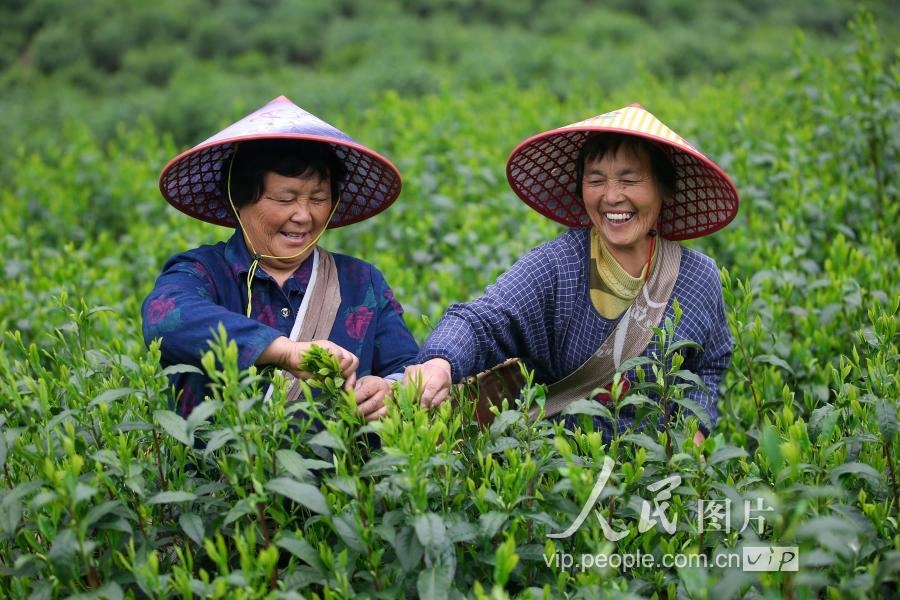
x,y
254,266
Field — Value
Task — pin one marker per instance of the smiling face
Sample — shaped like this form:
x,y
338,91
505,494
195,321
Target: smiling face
x,y
287,219
623,200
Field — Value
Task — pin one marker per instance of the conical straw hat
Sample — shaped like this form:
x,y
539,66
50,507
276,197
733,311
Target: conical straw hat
x,y
542,172
192,180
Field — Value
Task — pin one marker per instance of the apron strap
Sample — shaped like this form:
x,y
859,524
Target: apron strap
x,y
630,338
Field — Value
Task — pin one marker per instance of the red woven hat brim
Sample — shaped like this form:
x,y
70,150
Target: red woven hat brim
x,y
542,172
191,181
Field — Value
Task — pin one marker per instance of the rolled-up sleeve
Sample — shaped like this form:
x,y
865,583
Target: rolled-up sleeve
x,y
184,311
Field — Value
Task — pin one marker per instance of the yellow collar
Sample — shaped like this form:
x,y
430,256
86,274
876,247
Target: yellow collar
x,y
612,288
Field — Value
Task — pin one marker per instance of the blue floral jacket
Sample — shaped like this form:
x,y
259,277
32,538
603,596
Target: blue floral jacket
x,y
206,286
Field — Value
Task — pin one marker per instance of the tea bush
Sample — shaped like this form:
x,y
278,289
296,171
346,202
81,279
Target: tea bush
x,y
105,492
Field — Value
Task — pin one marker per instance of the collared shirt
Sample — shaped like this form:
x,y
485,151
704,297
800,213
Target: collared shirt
x,y
207,286
540,311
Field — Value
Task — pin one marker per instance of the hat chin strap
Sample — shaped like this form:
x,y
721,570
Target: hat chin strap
x,y
652,234
256,255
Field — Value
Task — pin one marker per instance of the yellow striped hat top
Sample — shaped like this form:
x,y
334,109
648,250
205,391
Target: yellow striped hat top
x,y
542,172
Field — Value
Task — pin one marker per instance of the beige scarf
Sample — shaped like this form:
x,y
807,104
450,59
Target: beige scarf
x,y
318,310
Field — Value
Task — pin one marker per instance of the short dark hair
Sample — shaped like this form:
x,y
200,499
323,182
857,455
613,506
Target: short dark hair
x,y
287,157
601,144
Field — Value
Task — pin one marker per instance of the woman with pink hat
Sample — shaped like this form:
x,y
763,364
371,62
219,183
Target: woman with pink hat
x,y
280,177
575,308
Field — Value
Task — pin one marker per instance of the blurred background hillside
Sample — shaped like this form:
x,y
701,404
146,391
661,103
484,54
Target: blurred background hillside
x,y
191,66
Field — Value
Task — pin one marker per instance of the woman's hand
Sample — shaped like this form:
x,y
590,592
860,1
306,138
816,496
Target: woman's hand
x,y
288,355
370,392
434,378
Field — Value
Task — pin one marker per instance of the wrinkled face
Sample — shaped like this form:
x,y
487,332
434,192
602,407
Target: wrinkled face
x,y
622,199
287,218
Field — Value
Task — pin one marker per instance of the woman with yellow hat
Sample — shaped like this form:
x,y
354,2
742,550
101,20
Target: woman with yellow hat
x,y
575,308
280,177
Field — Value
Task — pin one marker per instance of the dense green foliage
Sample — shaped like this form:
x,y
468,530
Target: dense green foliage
x,y
189,65
104,492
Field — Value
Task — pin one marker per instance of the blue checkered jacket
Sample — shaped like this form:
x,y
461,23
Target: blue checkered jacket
x,y
540,311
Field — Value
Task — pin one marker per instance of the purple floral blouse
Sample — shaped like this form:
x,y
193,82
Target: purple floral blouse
x,y
206,286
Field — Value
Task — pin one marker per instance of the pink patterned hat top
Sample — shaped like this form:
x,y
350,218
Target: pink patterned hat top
x,y
191,180
542,172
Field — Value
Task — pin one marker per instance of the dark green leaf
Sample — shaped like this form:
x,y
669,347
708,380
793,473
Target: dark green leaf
x,y
83,492
732,582
171,497
502,444
110,395
174,425
101,510
245,405
727,453
491,522
243,507
383,464
822,421
301,493
133,426
192,525
692,378
109,591
645,441
345,484
462,531
117,523
681,345
840,536
314,464
64,547
639,400
435,582
504,421
294,464
856,468
591,408
431,531
10,513
303,550
886,413
43,498
182,368
61,417
773,360
409,550
695,409
347,529
634,363
326,439
202,413
217,440
770,447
